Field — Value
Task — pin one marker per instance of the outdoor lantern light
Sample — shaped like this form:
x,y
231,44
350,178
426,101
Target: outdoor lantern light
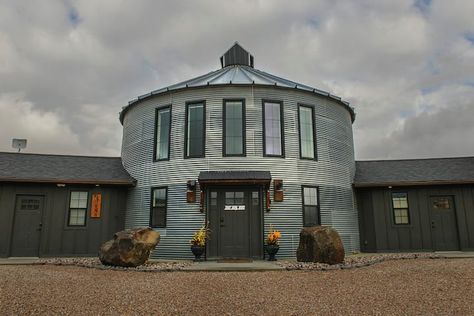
x,y
191,191
278,190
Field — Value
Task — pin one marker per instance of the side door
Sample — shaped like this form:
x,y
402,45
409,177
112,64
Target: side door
x,y
27,226
444,228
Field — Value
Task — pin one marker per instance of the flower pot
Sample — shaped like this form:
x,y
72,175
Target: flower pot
x,y
197,252
272,251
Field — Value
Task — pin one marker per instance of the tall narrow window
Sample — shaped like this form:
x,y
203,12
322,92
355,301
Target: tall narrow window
x,y
306,122
159,197
78,208
195,130
273,129
234,128
401,214
162,133
310,206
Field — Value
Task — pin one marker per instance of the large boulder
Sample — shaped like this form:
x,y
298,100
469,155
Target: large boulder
x,y
129,248
320,244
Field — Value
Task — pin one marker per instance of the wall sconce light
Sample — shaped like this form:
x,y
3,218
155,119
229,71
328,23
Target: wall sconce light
x,y
191,191
278,190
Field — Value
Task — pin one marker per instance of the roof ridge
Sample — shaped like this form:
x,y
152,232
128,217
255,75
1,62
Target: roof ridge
x,y
60,155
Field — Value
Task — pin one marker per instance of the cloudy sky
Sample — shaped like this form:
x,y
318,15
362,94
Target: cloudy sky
x,y
67,67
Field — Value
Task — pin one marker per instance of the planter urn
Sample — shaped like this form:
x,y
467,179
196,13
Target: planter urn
x,y
272,251
197,252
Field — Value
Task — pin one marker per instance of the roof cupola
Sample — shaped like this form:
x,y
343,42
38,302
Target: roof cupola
x,y
236,55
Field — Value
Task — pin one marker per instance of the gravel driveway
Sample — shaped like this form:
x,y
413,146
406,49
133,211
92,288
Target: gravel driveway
x,y
421,286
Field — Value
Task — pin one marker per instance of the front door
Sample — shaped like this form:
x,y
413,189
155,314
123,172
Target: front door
x,y
443,223
235,223
27,226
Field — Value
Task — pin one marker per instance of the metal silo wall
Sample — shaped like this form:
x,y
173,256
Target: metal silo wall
x,y
333,172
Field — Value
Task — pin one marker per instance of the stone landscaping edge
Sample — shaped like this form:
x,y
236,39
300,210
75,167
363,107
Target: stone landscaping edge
x,y
357,261
351,262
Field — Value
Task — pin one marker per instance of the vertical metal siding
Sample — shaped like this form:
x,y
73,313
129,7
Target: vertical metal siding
x,y
333,172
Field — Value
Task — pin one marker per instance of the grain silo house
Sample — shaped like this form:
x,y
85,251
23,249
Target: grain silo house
x,y
243,150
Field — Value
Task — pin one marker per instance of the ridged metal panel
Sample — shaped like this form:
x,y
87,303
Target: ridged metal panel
x,y
333,172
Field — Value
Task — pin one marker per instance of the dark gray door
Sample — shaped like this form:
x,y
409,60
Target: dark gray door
x,y
443,223
234,225
235,222
27,226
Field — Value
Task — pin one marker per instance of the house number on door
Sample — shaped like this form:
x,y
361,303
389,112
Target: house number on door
x,y
234,208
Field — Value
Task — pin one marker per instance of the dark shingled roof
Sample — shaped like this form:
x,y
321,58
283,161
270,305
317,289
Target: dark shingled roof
x,y
234,175
414,172
41,168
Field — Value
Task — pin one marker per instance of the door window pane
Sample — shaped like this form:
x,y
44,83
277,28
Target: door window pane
x,y
163,128
234,139
213,198
441,203
273,129
255,198
306,132
195,130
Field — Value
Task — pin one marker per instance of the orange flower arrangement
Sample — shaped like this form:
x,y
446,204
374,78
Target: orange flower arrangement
x,y
273,236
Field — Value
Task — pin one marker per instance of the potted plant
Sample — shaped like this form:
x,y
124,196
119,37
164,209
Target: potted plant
x,y
271,244
198,242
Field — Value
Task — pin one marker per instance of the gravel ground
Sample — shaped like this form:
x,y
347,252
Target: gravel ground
x,y
406,287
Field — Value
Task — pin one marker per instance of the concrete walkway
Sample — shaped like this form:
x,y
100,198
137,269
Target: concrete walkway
x,y
456,254
18,260
239,266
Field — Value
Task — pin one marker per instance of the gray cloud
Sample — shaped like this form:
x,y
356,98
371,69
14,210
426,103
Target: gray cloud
x,y
67,67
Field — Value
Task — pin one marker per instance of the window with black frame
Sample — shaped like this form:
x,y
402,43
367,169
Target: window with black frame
x,y
159,199
310,206
78,208
195,130
306,131
234,128
273,129
401,215
162,134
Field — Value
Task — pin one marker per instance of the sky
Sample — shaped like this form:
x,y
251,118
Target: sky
x,y
406,66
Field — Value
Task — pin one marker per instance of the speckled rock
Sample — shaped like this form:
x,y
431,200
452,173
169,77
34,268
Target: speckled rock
x,y
129,248
320,244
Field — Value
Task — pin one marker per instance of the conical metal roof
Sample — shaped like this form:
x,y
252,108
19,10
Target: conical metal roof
x,y
237,74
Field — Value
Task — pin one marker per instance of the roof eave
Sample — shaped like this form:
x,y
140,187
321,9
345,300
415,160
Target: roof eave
x,y
128,183
162,92
410,183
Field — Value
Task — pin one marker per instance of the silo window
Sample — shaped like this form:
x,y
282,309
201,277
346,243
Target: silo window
x,y
273,143
234,128
195,130
310,206
307,132
162,133
159,199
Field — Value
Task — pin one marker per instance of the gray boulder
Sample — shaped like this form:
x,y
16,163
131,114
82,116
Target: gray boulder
x,y
129,248
320,244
